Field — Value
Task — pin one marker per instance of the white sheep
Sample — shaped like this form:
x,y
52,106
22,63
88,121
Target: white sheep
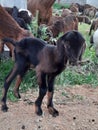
x,y
94,41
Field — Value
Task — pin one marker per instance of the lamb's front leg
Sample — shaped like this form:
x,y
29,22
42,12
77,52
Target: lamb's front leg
x,y
42,92
50,93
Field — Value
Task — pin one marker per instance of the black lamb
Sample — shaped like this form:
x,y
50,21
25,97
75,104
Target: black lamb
x,y
48,61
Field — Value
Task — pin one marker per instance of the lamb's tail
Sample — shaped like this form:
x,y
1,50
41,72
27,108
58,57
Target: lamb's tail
x,y
9,40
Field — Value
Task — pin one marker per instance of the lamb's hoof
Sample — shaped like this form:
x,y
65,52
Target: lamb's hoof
x,y
4,108
53,111
38,110
17,95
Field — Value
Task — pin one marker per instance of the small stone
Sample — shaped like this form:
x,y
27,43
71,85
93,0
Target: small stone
x,y
93,120
23,127
74,118
39,127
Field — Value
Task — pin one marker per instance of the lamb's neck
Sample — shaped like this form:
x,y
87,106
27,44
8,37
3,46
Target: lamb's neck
x,y
61,55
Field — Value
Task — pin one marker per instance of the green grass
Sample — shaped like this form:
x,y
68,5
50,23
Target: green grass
x,y
74,76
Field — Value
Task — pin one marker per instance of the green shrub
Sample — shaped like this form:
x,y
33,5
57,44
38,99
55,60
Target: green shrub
x,y
59,6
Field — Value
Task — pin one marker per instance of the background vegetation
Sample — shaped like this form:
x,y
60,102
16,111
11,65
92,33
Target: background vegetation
x,y
85,74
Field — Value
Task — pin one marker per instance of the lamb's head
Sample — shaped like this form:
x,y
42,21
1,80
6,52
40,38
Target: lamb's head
x,y
26,15
74,43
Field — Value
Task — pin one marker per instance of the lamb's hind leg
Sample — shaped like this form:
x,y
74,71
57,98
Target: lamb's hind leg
x,y
16,88
50,93
7,83
42,93
18,82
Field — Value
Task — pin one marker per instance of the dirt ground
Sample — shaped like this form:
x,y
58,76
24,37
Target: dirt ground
x,y
78,110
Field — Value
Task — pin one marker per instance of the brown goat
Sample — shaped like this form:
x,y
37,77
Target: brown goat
x,y
10,28
63,25
66,12
48,61
74,9
84,19
53,19
44,7
90,12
